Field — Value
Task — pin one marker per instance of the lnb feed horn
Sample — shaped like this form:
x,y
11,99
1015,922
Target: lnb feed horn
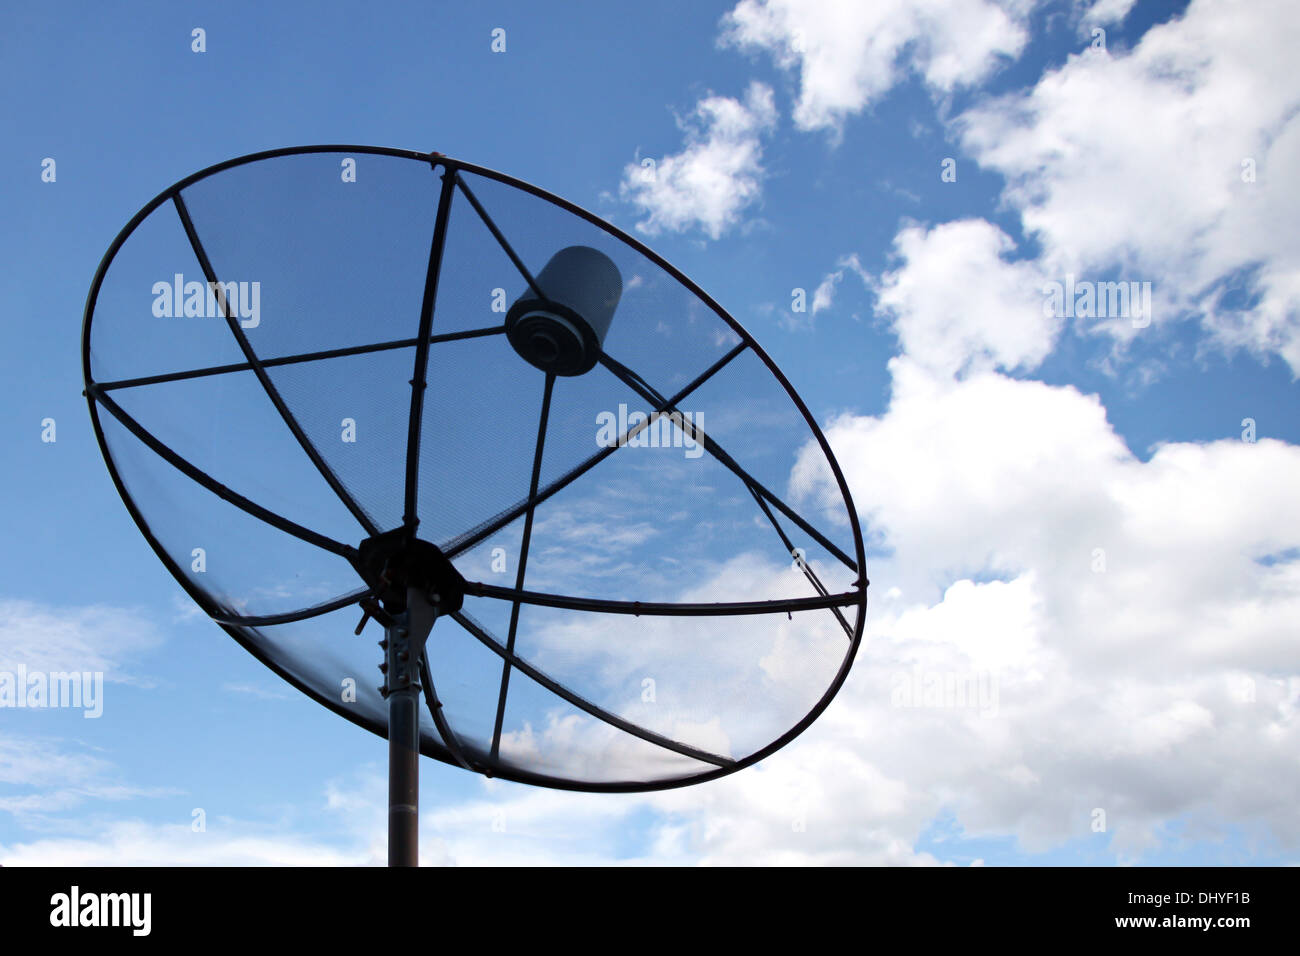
x,y
559,323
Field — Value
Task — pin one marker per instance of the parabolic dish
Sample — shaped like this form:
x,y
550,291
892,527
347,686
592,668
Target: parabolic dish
x,y
663,570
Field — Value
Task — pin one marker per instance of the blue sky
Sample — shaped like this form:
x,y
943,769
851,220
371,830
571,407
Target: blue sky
x,y
1063,508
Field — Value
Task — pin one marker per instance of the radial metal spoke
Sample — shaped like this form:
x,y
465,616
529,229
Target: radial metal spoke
x,y
548,389
555,687
295,359
411,515
192,471
267,385
291,617
501,240
658,608
449,738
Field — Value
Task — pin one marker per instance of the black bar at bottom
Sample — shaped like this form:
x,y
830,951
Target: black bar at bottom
x,y
1248,909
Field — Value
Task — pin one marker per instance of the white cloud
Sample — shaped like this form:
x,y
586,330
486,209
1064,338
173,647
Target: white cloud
x,y
43,777
715,177
354,818
1103,12
1135,162
816,803
824,294
256,690
1119,671
823,297
957,304
515,825
849,54
96,638
140,843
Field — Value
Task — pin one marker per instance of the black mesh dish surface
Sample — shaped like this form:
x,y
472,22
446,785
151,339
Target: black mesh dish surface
x,y
664,570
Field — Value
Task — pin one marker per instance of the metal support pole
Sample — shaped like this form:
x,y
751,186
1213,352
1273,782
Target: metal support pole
x,y
405,640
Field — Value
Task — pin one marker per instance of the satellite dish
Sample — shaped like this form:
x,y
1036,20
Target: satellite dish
x,y
333,382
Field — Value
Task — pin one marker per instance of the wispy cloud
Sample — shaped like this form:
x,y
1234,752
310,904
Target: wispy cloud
x,y
849,54
256,690
93,638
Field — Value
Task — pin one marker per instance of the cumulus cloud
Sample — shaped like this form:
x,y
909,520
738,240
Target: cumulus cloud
x,y
1171,164
715,177
958,304
1139,627
850,54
